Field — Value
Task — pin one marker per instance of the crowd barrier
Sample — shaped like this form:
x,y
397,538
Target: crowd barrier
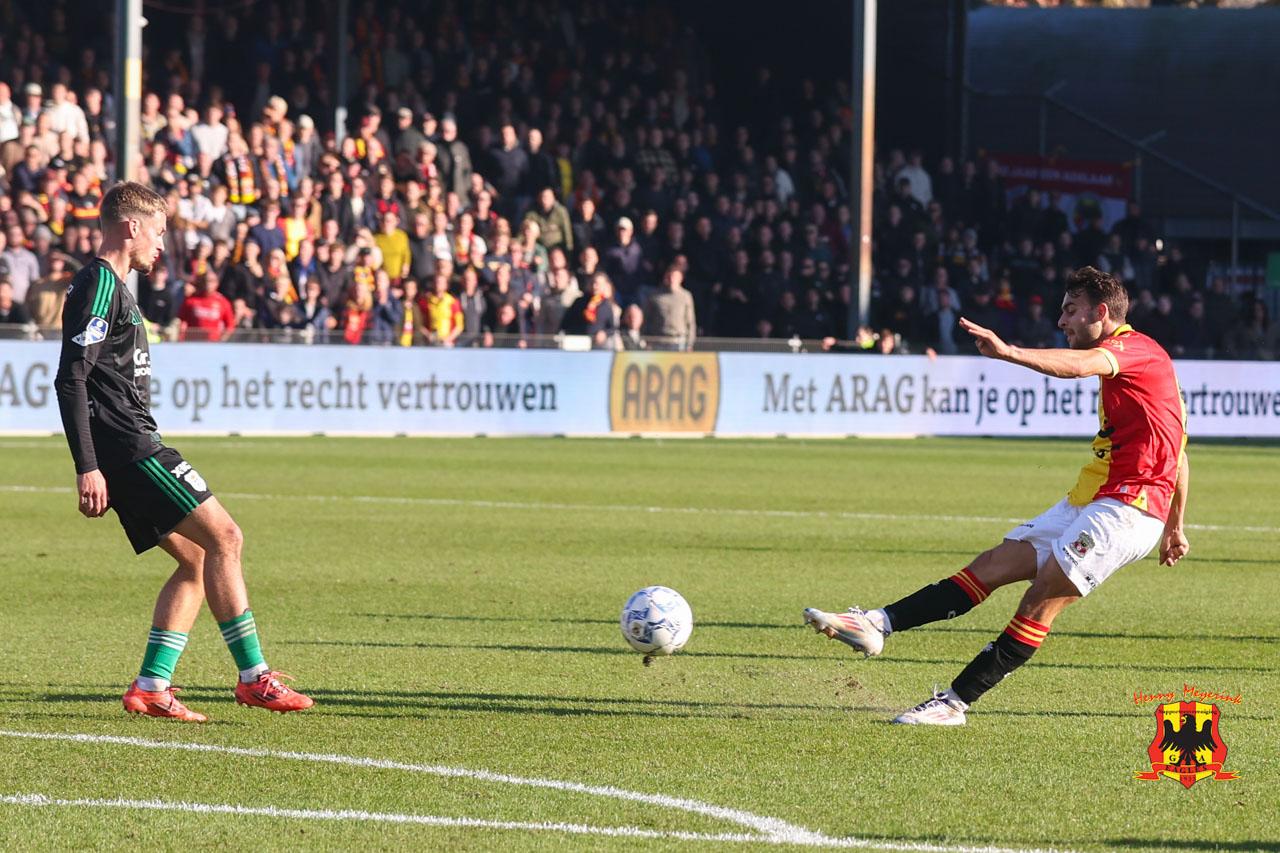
x,y
268,389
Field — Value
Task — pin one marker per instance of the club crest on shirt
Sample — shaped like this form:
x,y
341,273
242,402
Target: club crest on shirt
x,y
1082,545
94,333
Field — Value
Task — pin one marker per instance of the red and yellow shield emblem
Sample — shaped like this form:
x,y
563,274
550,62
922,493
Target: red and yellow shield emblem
x,y
1187,746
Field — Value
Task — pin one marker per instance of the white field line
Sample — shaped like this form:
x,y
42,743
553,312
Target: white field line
x,y
672,510
378,817
767,830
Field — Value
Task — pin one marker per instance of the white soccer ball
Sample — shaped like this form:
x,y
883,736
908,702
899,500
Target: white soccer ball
x,y
657,621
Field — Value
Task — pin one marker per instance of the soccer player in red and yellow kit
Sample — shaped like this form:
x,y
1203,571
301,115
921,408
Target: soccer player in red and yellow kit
x,y
1130,497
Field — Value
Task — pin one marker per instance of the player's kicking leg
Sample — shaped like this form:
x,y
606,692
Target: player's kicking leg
x,y
866,630
1048,596
212,528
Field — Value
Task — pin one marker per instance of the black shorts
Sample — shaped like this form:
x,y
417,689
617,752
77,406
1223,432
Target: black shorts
x,y
151,496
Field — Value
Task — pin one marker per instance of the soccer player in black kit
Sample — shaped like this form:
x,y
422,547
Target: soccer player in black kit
x,y
104,393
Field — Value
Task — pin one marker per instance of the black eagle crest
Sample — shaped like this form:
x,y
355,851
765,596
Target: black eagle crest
x,y
1189,740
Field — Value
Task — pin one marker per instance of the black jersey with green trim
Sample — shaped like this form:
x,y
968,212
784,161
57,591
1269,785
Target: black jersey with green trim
x,y
104,373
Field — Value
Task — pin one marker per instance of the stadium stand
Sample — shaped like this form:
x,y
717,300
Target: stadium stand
x,y
513,171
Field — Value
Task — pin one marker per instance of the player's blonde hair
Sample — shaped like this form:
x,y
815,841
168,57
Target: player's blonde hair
x,y
131,200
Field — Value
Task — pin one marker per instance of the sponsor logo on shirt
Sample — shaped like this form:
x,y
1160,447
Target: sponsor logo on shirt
x,y
94,333
141,363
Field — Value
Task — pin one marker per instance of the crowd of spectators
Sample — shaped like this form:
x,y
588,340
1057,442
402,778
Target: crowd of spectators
x,y
515,172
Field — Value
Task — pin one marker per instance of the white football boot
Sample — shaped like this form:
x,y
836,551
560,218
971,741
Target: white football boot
x,y
853,628
944,709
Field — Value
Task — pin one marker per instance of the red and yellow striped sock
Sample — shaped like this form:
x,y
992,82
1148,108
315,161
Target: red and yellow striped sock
x,y
971,585
1027,631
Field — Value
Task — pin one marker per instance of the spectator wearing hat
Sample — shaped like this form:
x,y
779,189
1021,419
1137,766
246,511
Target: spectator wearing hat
x,y
407,137
33,101
624,263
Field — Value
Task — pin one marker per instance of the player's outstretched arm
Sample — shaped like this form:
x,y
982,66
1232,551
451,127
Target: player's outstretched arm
x,y
1173,544
1062,363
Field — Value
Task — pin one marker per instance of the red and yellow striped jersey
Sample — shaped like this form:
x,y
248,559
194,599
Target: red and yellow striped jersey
x,y
1141,427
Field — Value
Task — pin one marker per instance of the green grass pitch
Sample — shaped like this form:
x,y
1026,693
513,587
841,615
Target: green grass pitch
x,y
453,604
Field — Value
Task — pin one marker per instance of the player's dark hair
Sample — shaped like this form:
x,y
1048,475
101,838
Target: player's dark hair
x,y
1100,287
131,200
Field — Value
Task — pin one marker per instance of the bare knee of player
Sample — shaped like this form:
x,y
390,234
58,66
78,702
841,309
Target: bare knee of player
x,y
223,534
1050,593
189,555
1006,563
211,527
227,534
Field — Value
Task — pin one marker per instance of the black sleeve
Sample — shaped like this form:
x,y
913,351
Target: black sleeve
x,y
85,324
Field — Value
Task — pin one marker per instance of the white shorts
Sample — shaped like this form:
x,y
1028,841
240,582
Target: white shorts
x,y
1090,542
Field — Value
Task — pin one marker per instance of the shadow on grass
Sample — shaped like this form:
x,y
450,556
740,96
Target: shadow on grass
x,y
513,647
565,621
393,703
763,626
206,697
687,653
1119,667
1114,635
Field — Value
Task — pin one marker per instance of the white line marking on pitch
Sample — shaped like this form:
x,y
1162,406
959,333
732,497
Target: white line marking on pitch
x,y
673,510
380,817
771,830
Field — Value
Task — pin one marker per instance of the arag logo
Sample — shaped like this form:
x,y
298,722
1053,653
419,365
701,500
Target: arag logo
x,y
664,392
